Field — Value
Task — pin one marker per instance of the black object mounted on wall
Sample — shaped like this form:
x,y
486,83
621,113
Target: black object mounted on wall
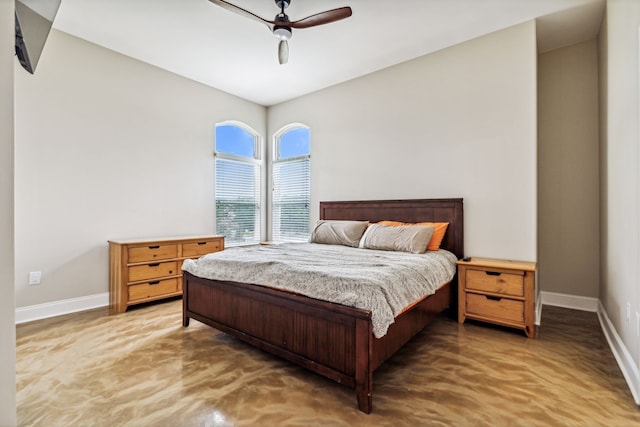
x,y
34,19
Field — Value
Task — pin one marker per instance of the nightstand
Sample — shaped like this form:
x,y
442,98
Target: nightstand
x,y
497,291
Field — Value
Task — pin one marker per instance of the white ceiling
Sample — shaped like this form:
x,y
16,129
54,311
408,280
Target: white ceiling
x,y
203,42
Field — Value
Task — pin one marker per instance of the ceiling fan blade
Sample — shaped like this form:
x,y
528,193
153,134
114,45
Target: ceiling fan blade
x,y
283,52
240,11
321,18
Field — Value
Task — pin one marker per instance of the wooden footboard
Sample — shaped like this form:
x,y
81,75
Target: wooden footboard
x,y
330,339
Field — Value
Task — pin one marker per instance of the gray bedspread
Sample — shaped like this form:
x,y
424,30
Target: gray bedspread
x,y
382,282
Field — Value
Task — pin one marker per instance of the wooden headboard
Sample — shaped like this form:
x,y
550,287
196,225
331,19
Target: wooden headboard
x,y
419,210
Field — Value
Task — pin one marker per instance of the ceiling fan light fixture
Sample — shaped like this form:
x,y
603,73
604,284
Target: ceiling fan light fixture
x,y
283,52
282,32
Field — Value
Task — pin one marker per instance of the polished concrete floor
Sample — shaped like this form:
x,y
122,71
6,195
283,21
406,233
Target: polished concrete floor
x,y
142,368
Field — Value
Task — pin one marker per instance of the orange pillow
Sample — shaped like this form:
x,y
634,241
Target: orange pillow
x,y
438,233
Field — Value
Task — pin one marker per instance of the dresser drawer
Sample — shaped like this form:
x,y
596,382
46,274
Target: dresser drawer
x,y
152,253
153,270
152,289
197,249
497,282
494,307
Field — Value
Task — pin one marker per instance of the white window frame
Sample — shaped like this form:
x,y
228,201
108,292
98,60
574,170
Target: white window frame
x,y
278,160
256,160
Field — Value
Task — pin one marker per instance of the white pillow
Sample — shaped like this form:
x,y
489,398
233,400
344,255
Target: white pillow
x,y
346,233
404,238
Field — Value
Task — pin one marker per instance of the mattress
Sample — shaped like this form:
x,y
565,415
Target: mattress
x,y
382,282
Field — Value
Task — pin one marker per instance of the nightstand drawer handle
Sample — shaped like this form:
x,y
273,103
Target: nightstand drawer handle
x,y
492,298
154,283
155,264
202,243
154,247
492,273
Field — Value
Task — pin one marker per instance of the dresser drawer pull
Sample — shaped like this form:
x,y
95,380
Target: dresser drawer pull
x,y
155,264
492,298
154,247
156,282
492,273
202,243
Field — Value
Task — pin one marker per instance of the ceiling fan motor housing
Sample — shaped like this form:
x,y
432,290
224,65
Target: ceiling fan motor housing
x,y
282,32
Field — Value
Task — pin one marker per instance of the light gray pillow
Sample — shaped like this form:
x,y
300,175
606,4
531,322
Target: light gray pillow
x,y
404,238
346,233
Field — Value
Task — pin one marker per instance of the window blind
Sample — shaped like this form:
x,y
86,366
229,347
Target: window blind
x,y
237,201
291,200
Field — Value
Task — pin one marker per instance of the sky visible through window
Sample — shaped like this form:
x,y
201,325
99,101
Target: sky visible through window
x,y
294,142
233,139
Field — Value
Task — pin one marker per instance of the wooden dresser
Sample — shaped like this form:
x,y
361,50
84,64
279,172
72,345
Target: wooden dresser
x,y
148,270
497,291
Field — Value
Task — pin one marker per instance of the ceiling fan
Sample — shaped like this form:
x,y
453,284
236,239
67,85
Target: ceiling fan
x,y
281,26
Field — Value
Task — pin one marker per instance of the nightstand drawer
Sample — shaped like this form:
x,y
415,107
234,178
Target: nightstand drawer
x,y
495,281
494,307
197,249
153,270
152,289
152,253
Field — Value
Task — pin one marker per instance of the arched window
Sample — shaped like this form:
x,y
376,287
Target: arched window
x,y
291,199
237,186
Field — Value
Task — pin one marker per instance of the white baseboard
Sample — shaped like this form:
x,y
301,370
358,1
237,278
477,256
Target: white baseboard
x,y
625,361
569,301
538,312
623,357
57,308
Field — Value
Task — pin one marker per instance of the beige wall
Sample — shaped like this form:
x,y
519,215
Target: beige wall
x,y
108,147
7,290
568,170
620,166
457,123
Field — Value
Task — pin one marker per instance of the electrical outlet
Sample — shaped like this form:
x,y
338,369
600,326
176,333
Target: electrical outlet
x,y
35,277
628,312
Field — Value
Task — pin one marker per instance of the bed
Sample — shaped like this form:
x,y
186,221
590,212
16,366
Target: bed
x,y
333,340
